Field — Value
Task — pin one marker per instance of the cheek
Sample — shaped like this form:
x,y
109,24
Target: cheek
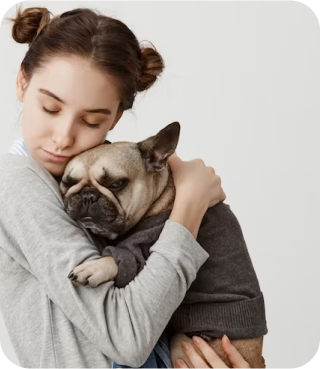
x,y
33,121
137,198
32,131
88,138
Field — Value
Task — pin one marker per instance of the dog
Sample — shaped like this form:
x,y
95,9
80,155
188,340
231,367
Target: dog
x,y
110,189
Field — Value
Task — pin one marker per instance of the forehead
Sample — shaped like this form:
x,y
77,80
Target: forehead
x,y
76,81
113,160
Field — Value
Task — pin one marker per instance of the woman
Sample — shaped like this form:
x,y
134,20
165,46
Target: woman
x,y
82,70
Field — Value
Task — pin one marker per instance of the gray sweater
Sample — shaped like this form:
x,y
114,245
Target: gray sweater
x,y
225,298
51,322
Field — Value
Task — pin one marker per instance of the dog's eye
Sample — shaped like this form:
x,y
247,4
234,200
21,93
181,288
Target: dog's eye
x,y
118,185
69,182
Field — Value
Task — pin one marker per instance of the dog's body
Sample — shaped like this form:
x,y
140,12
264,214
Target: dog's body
x,y
111,188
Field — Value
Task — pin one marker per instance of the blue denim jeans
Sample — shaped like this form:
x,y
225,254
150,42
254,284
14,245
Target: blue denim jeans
x,y
159,357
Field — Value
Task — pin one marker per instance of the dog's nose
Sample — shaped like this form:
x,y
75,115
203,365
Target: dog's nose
x,y
90,195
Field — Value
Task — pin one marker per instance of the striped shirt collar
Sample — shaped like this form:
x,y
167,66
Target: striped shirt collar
x,y
19,148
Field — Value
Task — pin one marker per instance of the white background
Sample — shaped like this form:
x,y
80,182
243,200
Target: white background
x,y
242,78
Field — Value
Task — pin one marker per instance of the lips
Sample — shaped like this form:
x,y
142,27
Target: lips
x,y
55,155
55,158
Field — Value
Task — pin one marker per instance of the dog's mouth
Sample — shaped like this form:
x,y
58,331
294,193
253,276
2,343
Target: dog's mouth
x,y
89,223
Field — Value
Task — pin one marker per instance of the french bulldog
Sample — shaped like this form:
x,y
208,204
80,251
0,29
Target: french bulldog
x,y
109,189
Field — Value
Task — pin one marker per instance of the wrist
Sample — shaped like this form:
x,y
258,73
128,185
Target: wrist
x,y
189,214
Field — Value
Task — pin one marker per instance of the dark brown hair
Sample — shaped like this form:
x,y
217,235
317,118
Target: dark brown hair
x,y
105,41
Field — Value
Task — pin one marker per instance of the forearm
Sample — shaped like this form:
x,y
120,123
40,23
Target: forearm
x,y
188,214
146,304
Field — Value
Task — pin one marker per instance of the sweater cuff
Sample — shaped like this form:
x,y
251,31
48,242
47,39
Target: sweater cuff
x,y
237,319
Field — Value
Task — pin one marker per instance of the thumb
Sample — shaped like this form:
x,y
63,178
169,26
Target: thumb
x,y
174,161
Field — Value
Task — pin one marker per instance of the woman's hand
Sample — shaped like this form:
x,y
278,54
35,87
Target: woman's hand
x,y
195,178
197,188
211,357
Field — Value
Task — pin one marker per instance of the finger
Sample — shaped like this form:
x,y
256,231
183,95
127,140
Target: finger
x,y
211,170
174,160
200,161
181,364
234,355
194,357
174,157
212,358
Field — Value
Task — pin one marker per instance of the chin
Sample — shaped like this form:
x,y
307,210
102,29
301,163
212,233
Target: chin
x,y
55,169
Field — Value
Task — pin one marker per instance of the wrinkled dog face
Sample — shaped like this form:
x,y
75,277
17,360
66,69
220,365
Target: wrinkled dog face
x,y
110,187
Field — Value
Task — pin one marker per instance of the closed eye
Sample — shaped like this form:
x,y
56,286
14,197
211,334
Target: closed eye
x,y
53,112
69,181
116,185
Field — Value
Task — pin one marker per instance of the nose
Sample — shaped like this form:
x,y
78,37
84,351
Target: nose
x,y
90,196
63,137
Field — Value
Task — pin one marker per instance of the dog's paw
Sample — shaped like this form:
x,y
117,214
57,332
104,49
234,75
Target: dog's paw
x,y
94,272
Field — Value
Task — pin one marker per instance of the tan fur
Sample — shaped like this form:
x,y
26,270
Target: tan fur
x,y
147,193
96,271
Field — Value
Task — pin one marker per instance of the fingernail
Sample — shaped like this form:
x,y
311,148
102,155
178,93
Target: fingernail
x,y
196,340
227,339
185,346
70,274
180,363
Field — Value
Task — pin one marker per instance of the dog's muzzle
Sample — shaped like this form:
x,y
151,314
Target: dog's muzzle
x,y
89,197
95,211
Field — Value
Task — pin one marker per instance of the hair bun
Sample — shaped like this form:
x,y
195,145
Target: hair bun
x,y
75,12
152,66
29,23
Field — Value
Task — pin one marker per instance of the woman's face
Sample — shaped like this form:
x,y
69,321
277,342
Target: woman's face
x,y
68,108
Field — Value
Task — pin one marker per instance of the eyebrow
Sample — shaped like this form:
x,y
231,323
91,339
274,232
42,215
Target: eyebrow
x,y
49,93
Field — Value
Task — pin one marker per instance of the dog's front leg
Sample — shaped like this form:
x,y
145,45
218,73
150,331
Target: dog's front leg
x,y
249,348
94,272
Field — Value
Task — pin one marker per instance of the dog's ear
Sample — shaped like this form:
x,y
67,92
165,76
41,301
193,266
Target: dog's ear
x,y
155,150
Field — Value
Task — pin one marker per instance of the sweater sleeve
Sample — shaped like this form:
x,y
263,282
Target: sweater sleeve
x,y
128,265
225,298
124,324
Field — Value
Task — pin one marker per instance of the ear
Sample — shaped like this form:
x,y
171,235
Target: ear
x,y
21,85
155,150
